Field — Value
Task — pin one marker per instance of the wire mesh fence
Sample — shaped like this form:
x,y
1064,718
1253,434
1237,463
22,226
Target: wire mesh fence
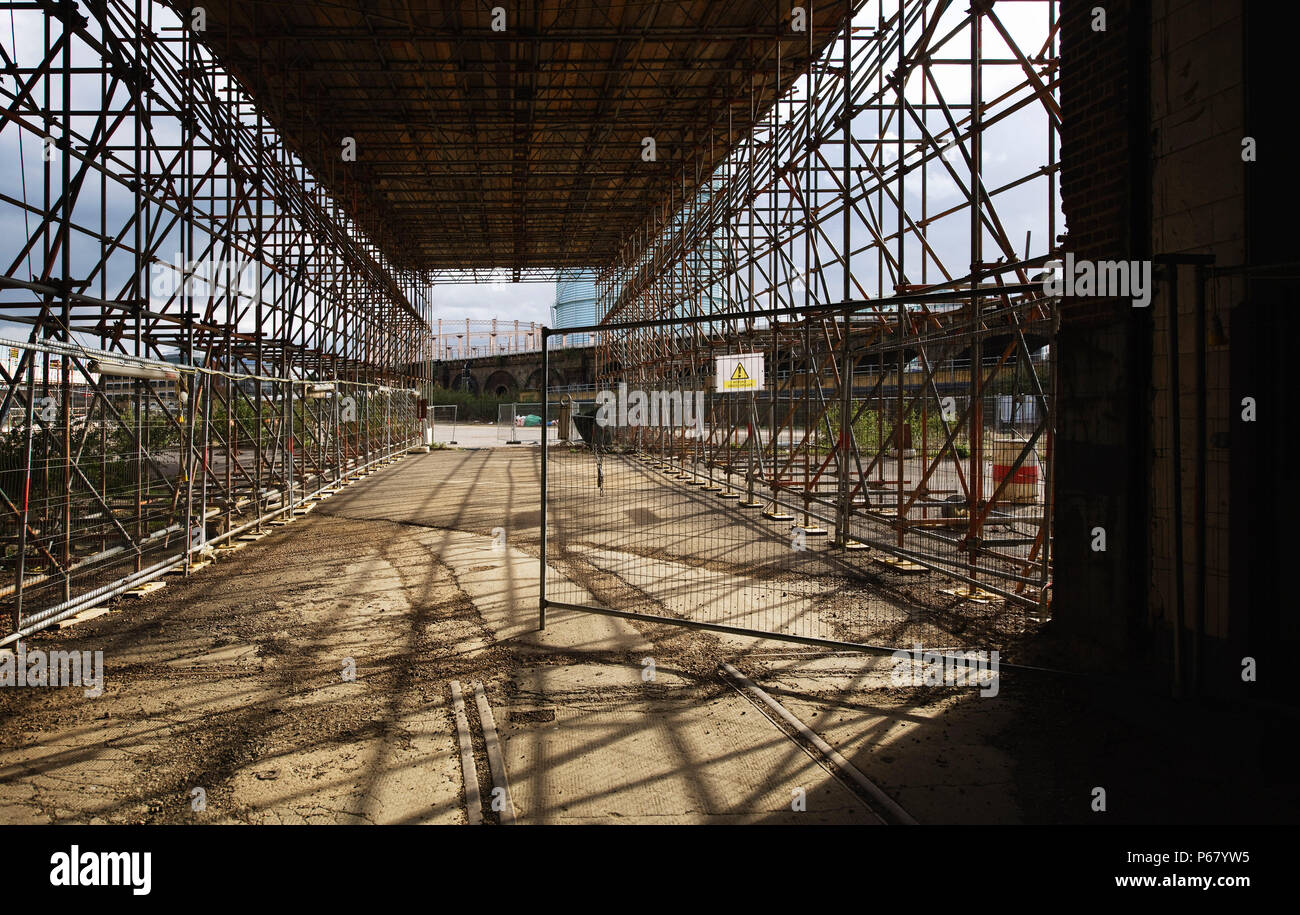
x,y
442,424
113,468
912,504
506,429
522,423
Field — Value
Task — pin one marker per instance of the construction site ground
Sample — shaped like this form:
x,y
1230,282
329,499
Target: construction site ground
x,y
306,678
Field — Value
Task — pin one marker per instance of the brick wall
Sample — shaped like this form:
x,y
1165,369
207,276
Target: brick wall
x,y
1097,103
1102,346
1153,116
1198,207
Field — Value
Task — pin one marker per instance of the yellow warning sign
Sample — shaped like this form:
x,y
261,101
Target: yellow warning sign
x,y
740,372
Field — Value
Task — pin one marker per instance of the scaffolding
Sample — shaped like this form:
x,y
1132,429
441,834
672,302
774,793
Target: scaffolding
x,y
859,237
201,334
245,192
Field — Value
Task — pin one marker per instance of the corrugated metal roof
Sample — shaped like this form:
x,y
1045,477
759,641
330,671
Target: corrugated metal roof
x,y
517,149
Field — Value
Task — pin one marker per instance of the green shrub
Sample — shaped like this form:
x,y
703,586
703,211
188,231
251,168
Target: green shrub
x,y
869,432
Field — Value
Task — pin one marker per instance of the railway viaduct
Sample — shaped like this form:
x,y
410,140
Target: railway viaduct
x,y
509,373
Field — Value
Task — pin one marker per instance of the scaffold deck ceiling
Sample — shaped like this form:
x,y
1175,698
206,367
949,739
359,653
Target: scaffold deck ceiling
x,y
516,149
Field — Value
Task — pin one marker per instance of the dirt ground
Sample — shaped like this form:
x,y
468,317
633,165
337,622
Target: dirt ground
x,y
227,698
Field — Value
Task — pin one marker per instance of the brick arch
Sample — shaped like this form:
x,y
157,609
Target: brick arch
x,y
459,381
500,382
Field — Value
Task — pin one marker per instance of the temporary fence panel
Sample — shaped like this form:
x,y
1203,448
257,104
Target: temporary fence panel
x,y
522,423
442,423
506,431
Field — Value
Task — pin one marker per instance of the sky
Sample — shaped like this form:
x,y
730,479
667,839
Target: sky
x,y
504,301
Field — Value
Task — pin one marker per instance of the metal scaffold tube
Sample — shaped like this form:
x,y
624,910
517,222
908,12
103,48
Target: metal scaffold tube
x,y
201,337
856,233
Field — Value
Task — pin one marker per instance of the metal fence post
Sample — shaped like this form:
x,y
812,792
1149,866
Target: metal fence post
x,y
843,509
546,406
21,559
187,416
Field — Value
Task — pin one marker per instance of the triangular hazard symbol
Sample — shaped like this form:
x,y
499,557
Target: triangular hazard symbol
x,y
740,374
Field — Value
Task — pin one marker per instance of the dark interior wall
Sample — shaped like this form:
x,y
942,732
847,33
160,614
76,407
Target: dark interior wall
x,y
1104,344
1198,197
1265,330
1150,441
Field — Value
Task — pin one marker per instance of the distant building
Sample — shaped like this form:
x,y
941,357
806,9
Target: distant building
x,y
575,304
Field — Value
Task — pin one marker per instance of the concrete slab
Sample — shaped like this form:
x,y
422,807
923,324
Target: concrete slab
x,y
690,760
558,682
931,752
503,586
833,674
411,777
716,595
237,680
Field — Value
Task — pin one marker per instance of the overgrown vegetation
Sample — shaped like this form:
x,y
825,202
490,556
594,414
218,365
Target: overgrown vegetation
x,y
870,432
